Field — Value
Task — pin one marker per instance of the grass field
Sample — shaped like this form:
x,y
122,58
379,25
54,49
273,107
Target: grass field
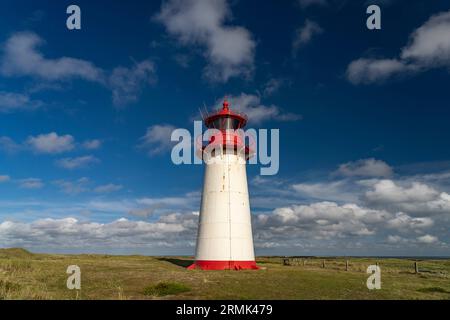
x,y
24,275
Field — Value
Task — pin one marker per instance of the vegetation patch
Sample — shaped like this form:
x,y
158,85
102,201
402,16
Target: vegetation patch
x,y
15,253
166,288
433,290
6,288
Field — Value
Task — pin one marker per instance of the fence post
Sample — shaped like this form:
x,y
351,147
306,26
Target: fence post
x,y
346,265
286,262
416,267
304,262
323,264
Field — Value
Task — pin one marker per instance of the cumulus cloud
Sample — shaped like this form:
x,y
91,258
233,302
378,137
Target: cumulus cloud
x,y
304,34
73,187
427,239
414,197
22,58
51,143
157,139
257,112
402,221
328,224
388,191
322,220
428,47
108,188
127,83
31,183
228,49
11,102
365,168
330,190
77,162
143,212
91,144
365,71
273,85
73,233
4,178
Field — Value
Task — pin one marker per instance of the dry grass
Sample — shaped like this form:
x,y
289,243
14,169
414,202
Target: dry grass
x,y
43,276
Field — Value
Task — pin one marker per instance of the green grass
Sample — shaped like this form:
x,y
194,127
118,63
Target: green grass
x,y
165,289
24,275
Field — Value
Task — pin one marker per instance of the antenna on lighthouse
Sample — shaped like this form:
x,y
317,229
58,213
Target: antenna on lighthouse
x,y
201,114
225,104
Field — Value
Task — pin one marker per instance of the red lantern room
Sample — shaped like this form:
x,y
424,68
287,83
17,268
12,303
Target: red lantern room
x,y
227,122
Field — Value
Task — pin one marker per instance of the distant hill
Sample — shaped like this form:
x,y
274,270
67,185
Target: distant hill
x,y
15,253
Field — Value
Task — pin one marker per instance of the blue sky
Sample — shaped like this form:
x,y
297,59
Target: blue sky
x,y
85,118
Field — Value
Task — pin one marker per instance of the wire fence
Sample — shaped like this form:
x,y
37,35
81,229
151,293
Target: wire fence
x,y
432,267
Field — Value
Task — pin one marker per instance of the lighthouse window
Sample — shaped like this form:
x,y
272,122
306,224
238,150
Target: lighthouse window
x,y
225,123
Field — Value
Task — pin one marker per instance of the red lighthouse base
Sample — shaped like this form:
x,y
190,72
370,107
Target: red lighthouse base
x,y
223,265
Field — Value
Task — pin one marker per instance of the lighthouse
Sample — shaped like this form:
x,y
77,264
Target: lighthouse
x,y
224,239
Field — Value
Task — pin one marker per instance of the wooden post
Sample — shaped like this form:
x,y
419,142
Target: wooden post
x,y
286,262
346,265
416,267
323,264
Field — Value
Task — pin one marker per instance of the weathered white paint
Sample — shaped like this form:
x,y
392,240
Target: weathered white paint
x,y
225,231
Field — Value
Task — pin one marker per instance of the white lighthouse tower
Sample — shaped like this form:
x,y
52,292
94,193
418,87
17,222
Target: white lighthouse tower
x,y
225,233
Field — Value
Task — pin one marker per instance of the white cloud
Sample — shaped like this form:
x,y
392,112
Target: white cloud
x,y
388,191
229,50
73,233
92,144
182,60
427,239
31,183
395,239
51,143
413,197
428,47
365,168
142,212
108,188
10,102
304,34
333,190
322,220
157,139
365,71
78,162
73,187
22,58
273,85
127,83
402,221
256,111
4,178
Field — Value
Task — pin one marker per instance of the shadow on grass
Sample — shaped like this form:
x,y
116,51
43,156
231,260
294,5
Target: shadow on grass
x,y
434,290
179,262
